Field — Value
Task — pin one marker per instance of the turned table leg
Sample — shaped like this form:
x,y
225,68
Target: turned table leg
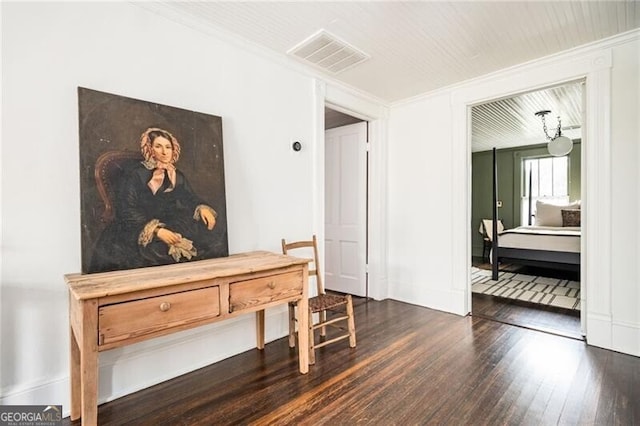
x,y
303,324
260,329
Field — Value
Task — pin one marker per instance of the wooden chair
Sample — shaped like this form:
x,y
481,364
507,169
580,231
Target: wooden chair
x,y
486,229
340,306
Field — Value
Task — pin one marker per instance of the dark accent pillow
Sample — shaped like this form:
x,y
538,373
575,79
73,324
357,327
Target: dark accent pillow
x,y
570,217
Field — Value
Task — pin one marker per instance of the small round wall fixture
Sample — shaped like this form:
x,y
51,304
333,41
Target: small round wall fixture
x,y
297,146
560,146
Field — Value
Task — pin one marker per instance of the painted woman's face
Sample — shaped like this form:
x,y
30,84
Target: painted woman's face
x,y
162,149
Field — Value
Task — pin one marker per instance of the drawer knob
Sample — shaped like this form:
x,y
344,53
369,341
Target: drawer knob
x,y
271,285
165,306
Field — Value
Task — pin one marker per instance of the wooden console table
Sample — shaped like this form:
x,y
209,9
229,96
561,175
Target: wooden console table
x,y
113,309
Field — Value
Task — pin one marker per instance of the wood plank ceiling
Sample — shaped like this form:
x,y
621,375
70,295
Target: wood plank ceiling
x,y
415,47
512,122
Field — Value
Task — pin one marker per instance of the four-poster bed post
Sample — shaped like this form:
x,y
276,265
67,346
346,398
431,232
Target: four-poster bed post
x,y
494,232
530,194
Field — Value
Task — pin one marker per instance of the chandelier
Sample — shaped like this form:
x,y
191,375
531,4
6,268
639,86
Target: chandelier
x,y
558,145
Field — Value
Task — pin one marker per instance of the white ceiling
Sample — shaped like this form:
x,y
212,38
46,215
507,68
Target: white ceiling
x,y
414,47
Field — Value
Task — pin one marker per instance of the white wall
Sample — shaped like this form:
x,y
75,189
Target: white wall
x,y
429,199
48,50
420,202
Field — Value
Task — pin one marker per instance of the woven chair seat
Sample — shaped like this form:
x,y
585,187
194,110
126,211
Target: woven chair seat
x,y
326,301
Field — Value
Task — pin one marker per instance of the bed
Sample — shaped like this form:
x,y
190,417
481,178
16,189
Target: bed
x,y
553,241
543,246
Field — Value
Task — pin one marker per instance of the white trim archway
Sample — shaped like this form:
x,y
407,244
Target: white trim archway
x,y
595,68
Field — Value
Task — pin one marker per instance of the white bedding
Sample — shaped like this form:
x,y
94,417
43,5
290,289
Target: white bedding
x,y
549,238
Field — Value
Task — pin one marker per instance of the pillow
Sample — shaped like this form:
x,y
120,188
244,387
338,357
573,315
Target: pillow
x,y
550,214
570,217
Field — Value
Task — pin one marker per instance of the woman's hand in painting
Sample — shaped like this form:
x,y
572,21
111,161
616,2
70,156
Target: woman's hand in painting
x,y
208,218
167,236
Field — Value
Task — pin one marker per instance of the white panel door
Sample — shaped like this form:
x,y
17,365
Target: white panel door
x,y
345,209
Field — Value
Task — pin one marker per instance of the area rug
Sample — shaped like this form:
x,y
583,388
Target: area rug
x,y
528,288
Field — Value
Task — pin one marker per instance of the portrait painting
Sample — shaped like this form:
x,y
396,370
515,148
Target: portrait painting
x,y
151,183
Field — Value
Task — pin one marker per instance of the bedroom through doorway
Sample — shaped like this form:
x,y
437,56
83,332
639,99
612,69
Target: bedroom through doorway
x,y
538,283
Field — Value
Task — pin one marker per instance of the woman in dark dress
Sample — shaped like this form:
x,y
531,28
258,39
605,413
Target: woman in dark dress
x,y
159,220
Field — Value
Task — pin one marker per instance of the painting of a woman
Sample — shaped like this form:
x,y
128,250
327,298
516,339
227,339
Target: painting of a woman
x,y
159,220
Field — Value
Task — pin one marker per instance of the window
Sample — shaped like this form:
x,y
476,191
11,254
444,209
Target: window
x,y
545,178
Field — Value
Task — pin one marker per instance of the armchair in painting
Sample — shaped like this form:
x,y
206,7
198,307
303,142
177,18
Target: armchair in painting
x,y
111,168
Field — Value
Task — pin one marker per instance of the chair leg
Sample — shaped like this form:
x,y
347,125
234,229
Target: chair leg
x,y
292,325
323,318
312,347
351,323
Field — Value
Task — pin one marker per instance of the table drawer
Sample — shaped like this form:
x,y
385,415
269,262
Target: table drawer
x,y
250,293
135,318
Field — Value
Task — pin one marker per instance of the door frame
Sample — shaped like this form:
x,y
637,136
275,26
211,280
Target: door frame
x,y
595,69
517,213
376,115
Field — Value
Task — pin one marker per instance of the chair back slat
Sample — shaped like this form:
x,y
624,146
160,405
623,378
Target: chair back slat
x,y
311,244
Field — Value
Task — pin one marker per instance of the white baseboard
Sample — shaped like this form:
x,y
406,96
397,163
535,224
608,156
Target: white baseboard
x,y
626,338
599,330
446,300
619,336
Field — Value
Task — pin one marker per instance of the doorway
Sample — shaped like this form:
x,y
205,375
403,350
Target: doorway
x,y
510,125
346,183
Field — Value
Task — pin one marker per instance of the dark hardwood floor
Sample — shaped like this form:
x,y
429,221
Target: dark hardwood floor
x,y
550,319
563,322
412,366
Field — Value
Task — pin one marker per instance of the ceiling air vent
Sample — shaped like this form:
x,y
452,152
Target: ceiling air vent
x,y
328,52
